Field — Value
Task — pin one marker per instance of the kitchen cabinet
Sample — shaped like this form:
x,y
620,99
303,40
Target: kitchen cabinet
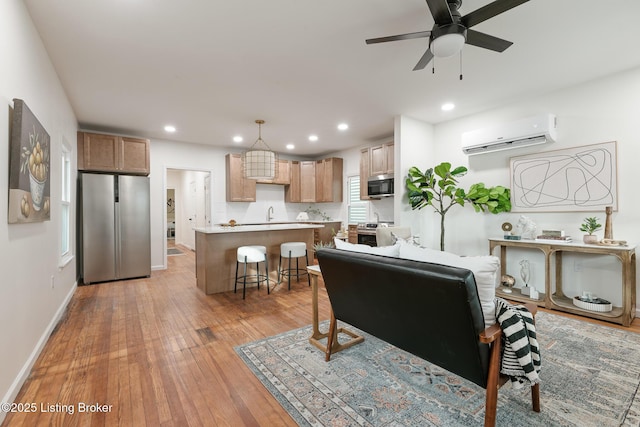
x,y
292,191
239,189
381,159
113,153
325,234
329,180
283,174
308,182
364,174
352,233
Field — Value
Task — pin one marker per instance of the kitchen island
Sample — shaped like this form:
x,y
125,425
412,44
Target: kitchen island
x,y
216,250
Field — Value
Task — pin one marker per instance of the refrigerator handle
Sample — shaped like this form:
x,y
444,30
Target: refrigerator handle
x,y
118,239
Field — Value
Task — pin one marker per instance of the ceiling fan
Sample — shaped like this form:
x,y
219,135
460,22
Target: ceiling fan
x,y
451,31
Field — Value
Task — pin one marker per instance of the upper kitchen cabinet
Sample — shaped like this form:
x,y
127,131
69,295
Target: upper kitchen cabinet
x,y
283,174
308,182
381,159
112,153
329,180
292,191
365,172
239,189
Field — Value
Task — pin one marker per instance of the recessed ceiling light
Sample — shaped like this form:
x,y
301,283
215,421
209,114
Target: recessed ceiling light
x,y
343,126
169,128
290,146
237,138
448,106
313,138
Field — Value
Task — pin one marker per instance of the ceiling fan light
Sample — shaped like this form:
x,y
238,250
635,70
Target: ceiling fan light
x,y
447,45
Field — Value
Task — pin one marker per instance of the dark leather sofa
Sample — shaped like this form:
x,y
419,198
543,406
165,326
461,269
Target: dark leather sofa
x,y
430,310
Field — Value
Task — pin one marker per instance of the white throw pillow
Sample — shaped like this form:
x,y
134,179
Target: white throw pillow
x,y
486,270
392,251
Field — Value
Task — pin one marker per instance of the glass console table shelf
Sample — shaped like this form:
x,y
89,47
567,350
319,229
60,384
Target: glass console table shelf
x,y
558,300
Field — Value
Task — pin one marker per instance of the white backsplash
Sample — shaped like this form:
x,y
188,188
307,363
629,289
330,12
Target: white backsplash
x,y
270,195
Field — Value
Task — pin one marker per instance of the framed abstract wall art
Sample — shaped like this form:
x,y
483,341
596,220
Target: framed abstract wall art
x,y
578,179
29,164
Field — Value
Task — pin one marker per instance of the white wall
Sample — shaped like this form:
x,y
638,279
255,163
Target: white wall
x,y
599,111
29,262
414,146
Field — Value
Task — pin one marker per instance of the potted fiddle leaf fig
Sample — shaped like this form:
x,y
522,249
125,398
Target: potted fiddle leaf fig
x,y
438,187
589,226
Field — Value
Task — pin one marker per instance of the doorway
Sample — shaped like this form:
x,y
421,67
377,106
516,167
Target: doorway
x,y
188,206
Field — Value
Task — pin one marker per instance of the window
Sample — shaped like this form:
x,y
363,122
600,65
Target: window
x,y
65,207
357,209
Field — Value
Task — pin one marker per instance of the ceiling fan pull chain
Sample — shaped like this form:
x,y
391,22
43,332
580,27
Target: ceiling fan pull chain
x,y
460,65
433,66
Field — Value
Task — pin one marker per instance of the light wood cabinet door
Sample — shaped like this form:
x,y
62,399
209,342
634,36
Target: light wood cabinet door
x,y
320,192
365,173
390,158
325,235
308,182
381,159
134,155
112,153
353,233
99,152
282,174
239,189
331,187
292,191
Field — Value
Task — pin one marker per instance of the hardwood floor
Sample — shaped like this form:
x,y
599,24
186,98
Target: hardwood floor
x,y
158,352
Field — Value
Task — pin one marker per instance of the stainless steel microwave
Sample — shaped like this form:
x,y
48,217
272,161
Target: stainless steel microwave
x,y
380,186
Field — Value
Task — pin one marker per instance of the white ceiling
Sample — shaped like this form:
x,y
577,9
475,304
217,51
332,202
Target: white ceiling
x,y
211,67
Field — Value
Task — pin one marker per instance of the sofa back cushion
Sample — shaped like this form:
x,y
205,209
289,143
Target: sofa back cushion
x,y
430,310
377,250
486,270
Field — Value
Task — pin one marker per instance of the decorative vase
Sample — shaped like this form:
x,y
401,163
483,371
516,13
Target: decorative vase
x,y
608,225
590,239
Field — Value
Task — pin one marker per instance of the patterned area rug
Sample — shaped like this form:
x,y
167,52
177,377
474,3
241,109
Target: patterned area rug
x,y
590,377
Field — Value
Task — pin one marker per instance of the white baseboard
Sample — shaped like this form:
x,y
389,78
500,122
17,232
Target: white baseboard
x,y
26,369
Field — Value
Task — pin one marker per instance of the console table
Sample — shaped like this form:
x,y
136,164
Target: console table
x,y
558,300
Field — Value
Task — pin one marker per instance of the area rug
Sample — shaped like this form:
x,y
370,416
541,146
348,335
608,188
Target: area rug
x,y
174,251
590,377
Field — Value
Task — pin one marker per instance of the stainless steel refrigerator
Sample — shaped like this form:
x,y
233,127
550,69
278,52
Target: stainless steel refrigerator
x,y
115,233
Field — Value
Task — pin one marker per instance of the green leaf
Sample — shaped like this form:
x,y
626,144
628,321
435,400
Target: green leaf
x,y
460,170
442,169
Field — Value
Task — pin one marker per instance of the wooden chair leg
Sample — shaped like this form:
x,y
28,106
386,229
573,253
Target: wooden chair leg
x,y
493,383
535,397
333,327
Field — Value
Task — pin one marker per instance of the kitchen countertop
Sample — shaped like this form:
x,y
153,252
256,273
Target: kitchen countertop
x,y
257,227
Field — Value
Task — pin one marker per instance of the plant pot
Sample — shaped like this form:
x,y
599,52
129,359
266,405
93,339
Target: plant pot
x,y
590,239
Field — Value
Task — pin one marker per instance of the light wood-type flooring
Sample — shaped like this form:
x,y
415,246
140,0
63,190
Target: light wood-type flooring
x,y
161,353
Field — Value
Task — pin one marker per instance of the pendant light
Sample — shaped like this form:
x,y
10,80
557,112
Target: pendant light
x,y
259,161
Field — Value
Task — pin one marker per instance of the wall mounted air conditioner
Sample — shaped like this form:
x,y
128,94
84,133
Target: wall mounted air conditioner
x,y
530,131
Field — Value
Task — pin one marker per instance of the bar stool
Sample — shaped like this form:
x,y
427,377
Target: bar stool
x,y
251,254
291,250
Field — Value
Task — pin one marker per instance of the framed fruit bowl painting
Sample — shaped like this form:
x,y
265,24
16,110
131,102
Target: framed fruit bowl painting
x,y
29,165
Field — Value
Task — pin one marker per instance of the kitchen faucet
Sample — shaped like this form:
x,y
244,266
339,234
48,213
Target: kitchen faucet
x,y
270,213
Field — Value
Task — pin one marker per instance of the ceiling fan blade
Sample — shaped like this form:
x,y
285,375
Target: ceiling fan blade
x,y
419,34
486,41
489,11
426,58
440,11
